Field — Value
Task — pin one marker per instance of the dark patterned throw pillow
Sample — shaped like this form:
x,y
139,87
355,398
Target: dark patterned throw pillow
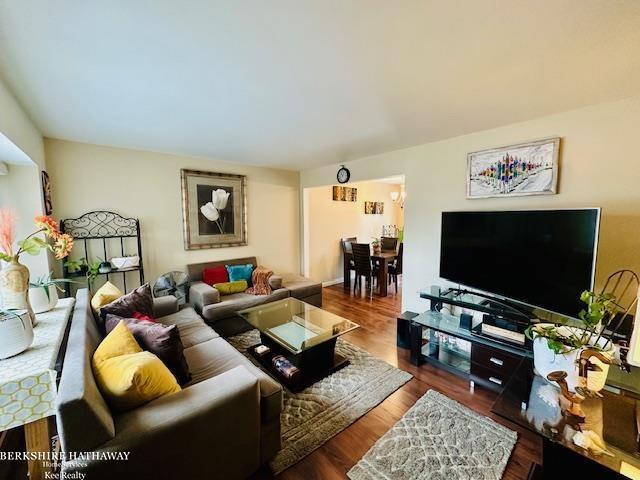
x,y
140,300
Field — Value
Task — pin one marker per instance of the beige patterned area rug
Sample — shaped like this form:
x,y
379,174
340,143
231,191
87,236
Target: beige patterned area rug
x,y
316,414
438,439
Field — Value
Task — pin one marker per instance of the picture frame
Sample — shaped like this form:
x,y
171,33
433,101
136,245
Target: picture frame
x,y
529,168
373,208
345,194
46,193
214,209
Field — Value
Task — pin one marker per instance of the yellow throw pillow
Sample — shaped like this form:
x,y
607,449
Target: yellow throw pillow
x,y
129,381
227,288
120,341
106,294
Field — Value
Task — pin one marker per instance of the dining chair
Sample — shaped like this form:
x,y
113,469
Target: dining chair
x,y
389,244
363,267
395,268
347,252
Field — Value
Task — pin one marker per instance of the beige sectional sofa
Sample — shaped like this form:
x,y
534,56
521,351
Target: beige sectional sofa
x,y
224,424
220,311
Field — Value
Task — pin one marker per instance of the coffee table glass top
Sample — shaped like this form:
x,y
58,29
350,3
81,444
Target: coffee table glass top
x,y
296,325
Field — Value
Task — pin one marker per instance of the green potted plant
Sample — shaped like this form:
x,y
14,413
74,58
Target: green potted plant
x,y
79,266
558,347
43,292
375,244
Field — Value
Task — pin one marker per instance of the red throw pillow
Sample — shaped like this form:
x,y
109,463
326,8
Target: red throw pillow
x,y
214,275
142,316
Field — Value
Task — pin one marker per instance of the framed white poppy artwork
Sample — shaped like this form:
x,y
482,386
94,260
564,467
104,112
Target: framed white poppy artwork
x,y
214,211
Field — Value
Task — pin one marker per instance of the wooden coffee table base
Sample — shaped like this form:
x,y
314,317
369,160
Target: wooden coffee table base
x,y
314,364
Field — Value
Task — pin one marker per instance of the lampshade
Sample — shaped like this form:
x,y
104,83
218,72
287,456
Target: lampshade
x,y
395,196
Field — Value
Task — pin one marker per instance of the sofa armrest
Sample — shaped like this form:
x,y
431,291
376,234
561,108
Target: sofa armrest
x,y
163,306
275,282
201,295
213,423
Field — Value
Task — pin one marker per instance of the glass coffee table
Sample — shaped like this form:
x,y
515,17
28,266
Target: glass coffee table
x,y
302,333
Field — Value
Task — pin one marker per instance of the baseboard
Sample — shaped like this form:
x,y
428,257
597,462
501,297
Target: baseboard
x,y
335,281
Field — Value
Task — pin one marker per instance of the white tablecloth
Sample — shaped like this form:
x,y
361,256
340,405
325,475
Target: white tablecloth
x,y
28,380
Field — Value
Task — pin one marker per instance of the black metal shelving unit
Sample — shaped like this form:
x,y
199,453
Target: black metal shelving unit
x,y
101,229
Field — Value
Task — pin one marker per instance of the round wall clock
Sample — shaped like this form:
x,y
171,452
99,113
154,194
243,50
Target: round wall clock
x,y
343,174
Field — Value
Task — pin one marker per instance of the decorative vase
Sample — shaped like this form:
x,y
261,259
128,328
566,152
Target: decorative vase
x,y
16,333
547,361
41,301
377,249
14,288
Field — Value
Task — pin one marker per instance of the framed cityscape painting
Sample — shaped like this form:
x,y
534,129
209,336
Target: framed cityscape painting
x,y
214,210
525,169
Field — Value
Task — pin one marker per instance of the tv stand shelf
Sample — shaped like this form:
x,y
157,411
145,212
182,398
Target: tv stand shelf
x,y
484,361
467,299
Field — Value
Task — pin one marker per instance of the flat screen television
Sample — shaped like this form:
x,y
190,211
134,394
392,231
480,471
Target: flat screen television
x,y
540,258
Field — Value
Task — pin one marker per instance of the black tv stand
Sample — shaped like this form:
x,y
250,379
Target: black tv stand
x,y
489,304
438,338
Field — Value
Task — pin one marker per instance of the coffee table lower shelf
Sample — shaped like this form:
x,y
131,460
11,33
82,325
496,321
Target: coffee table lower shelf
x,y
308,376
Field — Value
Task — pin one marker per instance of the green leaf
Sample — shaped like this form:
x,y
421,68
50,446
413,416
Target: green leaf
x,y
30,246
5,257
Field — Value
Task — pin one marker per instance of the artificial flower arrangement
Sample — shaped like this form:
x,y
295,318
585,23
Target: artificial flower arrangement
x,y
33,244
14,277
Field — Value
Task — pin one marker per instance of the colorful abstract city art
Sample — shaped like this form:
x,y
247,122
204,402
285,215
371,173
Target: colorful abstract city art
x,y
524,169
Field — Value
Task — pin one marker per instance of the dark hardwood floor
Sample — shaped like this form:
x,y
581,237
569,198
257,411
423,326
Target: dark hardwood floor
x,y
377,318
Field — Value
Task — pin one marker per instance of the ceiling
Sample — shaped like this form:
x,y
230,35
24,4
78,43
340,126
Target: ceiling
x,y
301,83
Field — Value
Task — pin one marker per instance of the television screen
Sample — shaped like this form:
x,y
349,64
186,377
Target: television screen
x,y
542,258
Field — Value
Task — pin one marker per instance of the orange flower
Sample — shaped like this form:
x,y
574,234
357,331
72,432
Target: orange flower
x,y
62,246
49,225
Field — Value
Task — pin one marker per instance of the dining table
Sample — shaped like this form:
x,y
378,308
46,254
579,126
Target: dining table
x,y
382,260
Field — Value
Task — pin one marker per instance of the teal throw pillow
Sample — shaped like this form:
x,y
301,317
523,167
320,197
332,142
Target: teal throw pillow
x,y
240,272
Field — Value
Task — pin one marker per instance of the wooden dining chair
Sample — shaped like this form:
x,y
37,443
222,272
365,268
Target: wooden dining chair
x,y
389,244
395,268
347,252
363,266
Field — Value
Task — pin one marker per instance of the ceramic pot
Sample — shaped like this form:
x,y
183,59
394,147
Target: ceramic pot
x,y
41,301
546,361
14,288
377,249
16,333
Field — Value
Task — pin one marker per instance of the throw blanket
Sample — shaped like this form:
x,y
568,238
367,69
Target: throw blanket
x,y
260,279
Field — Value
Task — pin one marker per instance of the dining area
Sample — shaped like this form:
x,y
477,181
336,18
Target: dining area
x,y
376,266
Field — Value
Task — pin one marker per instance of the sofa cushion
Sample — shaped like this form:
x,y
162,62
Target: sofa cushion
x,y
106,294
275,282
301,287
216,356
230,304
229,288
140,300
128,381
120,341
240,272
192,328
214,275
159,339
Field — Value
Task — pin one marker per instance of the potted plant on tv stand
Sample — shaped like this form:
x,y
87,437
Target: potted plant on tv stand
x,y
581,350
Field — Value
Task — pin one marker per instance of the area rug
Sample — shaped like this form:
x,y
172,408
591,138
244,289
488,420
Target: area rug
x,y
438,439
319,412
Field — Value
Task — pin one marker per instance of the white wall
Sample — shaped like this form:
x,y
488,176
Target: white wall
x,y
21,190
146,185
330,220
599,167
